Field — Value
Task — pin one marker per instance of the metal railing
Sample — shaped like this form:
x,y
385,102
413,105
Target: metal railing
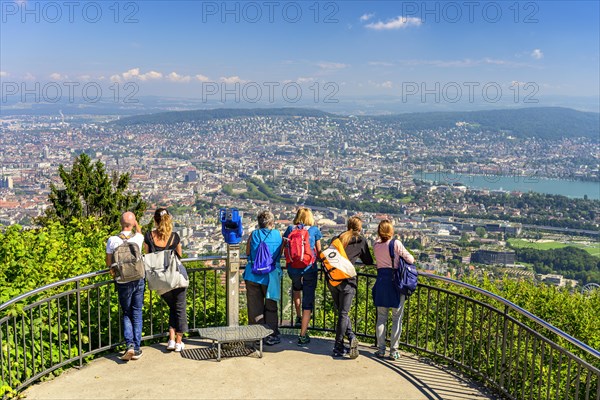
x,y
68,322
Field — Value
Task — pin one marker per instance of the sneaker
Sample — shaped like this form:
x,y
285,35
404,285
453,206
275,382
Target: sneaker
x,y
129,353
380,354
302,340
337,352
171,345
137,355
395,355
179,346
271,340
353,348
298,322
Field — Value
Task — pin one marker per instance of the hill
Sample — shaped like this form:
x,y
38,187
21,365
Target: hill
x,y
542,122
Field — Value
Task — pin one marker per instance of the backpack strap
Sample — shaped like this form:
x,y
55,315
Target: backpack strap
x,y
153,245
125,238
391,249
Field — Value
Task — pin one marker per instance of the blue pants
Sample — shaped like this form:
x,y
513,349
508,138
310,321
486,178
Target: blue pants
x,y
131,299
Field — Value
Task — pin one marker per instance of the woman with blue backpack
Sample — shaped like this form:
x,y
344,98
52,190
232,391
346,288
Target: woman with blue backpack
x,y
302,244
263,275
385,295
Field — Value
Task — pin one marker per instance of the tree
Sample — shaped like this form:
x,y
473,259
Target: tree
x,y
480,231
88,191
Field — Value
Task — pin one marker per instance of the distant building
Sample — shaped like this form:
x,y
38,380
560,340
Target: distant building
x,y
191,176
493,257
6,183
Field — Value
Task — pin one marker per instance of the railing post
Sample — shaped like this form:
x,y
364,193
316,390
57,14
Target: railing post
x,y
79,339
232,285
504,339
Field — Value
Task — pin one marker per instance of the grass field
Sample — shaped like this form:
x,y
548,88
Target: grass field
x,y
593,249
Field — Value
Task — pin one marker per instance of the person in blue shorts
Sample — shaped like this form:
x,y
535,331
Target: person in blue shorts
x,y
304,280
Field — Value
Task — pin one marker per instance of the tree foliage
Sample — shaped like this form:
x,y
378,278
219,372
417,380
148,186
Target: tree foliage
x,y
88,191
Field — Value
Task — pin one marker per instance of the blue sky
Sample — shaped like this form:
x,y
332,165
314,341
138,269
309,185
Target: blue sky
x,y
180,48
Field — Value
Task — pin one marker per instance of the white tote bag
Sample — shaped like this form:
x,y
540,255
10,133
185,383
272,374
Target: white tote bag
x,y
163,271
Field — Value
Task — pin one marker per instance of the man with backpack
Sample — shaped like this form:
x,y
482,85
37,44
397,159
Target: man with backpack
x,y
263,275
124,257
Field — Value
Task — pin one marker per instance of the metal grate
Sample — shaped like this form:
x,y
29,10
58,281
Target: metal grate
x,y
202,354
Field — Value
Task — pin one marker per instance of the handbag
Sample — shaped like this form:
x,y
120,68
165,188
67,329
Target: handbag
x,y
164,270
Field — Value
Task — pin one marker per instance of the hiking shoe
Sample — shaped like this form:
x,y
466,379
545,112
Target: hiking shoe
x,y
302,340
179,347
171,345
380,354
298,322
129,353
353,353
137,355
395,355
271,340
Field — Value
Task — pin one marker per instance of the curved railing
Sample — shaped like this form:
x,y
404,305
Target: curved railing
x,y
65,323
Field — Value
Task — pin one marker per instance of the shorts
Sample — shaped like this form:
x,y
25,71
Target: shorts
x,y
307,283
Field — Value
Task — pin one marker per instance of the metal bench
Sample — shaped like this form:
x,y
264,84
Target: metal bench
x,y
231,334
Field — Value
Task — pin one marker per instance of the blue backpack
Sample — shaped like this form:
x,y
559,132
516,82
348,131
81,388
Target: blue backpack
x,y
405,276
263,260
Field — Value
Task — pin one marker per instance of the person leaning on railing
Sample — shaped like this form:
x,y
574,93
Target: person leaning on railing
x,y
163,238
385,295
263,291
131,294
356,247
304,281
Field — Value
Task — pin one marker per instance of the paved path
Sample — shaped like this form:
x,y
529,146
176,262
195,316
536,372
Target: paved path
x,y
297,373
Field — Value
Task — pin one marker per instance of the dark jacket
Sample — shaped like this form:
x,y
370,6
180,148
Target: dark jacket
x,y
358,248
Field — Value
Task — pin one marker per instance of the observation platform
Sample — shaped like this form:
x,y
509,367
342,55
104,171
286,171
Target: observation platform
x,y
286,371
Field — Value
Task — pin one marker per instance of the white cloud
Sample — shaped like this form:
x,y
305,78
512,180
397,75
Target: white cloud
x,y
231,79
84,77
465,63
3,74
175,77
396,23
381,64
537,54
385,85
29,77
202,78
366,17
302,79
332,65
55,76
134,73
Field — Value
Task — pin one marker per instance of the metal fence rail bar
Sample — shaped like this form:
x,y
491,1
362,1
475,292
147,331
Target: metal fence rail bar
x,y
523,357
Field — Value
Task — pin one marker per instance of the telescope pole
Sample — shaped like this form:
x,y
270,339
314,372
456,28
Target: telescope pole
x,y
232,285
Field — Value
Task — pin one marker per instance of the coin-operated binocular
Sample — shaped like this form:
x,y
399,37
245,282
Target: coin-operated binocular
x,y
231,225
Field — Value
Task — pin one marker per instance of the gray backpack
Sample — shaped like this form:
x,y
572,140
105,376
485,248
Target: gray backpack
x,y
128,264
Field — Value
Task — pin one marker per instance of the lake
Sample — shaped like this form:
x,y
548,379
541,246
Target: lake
x,y
569,188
